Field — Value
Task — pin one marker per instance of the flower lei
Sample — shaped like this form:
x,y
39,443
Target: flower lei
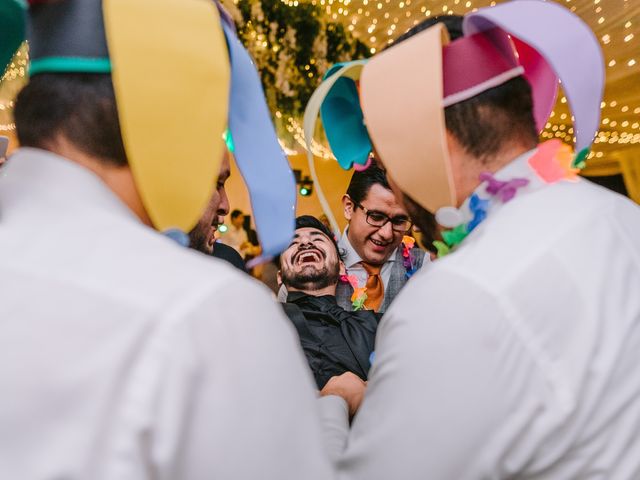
x,y
408,261
553,161
359,295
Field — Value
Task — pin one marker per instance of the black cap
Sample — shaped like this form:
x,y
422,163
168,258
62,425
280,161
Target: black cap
x,y
67,36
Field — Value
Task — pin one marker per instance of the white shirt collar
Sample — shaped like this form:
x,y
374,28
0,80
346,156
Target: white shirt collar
x,y
517,168
42,171
351,257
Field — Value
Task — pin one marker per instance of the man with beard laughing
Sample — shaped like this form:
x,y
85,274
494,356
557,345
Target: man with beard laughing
x,y
334,340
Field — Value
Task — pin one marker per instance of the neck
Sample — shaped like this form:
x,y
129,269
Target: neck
x,y
118,179
467,168
352,243
316,292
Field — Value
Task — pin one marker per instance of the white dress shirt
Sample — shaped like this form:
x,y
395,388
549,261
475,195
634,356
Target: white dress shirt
x,y
353,263
125,356
517,356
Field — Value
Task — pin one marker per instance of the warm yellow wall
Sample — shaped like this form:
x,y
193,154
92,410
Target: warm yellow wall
x,y
334,181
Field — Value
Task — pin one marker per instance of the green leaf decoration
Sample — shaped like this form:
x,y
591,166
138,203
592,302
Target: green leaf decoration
x,y
358,304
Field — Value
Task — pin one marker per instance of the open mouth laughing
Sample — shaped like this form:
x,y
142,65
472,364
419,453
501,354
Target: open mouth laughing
x,y
308,256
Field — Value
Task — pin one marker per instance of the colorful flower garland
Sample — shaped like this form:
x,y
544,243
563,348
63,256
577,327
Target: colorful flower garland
x,y
408,261
359,296
553,161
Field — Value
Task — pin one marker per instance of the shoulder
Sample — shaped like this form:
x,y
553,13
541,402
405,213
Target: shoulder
x,y
440,304
161,276
290,309
541,229
367,318
409,243
418,254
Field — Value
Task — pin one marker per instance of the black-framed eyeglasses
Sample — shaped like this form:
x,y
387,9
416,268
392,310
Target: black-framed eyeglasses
x,y
399,224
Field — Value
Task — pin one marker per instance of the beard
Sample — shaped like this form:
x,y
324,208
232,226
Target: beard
x,y
198,239
311,278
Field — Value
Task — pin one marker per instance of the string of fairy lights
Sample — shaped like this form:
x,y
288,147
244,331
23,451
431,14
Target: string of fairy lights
x,y
13,79
378,22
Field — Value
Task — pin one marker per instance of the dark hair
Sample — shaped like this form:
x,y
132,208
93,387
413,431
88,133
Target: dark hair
x,y
235,214
362,181
453,24
309,221
79,106
485,123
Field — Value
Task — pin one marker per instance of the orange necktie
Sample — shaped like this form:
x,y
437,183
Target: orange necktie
x,y
375,288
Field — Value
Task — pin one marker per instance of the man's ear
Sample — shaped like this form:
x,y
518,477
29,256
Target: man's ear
x,y
348,206
343,269
279,277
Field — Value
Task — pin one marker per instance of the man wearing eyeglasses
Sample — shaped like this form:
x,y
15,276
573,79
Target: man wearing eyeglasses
x,y
372,243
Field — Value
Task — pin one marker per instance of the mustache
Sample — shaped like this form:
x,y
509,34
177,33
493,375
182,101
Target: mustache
x,y
217,220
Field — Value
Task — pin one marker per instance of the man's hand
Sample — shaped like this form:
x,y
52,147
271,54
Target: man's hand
x,y
348,386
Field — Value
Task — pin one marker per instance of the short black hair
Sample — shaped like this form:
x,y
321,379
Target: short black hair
x,y
485,123
362,181
79,106
309,221
235,214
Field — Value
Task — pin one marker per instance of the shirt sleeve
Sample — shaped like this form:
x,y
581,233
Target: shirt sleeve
x,y
250,410
335,419
444,391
